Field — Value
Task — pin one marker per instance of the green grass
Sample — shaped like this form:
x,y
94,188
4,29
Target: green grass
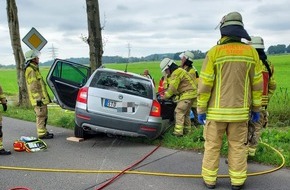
x,y
276,135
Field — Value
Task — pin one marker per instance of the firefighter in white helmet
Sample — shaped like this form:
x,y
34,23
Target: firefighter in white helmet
x,y
186,63
37,92
269,86
229,89
3,101
181,85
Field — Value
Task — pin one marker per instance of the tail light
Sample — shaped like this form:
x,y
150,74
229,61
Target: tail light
x,y
83,95
156,109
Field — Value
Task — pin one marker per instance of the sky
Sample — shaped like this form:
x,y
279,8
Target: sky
x,y
139,28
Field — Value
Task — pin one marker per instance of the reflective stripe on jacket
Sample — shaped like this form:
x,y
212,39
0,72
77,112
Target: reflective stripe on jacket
x,y
181,84
269,84
35,85
230,82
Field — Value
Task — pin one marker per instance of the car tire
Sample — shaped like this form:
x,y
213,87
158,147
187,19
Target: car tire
x,y
79,132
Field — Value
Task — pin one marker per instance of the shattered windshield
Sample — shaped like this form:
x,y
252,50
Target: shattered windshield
x,y
122,82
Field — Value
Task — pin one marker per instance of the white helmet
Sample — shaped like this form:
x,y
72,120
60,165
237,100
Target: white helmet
x,y
257,42
188,55
31,54
165,63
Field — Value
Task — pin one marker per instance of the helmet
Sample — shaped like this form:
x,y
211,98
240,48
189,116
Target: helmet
x,y
19,146
31,54
257,42
233,18
188,55
165,63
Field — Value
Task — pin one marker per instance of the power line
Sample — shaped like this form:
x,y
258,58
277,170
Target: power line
x,y
53,52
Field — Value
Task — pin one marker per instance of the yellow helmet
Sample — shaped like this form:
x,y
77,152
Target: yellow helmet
x,y
31,54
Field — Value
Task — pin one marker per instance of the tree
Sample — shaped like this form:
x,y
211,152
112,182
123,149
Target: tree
x,y
95,36
288,49
13,25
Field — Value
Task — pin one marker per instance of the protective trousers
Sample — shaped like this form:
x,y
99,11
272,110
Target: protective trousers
x,y
1,133
41,119
182,117
255,130
237,148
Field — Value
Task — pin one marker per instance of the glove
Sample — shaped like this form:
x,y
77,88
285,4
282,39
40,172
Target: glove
x,y
4,107
201,118
255,116
39,103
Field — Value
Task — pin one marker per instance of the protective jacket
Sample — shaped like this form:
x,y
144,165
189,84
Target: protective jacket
x,y
36,85
182,85
229,96
2,97
269,83
192,71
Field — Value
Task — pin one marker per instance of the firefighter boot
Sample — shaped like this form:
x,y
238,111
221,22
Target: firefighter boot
x,y
178,131
47,136
5,152
209,186
187,130
237,187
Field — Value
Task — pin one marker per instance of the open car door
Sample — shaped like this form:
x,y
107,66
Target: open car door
x,y
65,78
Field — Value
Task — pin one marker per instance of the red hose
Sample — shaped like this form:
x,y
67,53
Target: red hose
x,y
128,168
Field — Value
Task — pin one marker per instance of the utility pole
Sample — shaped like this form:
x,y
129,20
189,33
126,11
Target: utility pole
x,y
129,55
53,52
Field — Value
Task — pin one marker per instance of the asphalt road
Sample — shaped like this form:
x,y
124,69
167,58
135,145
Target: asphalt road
x,y
102,154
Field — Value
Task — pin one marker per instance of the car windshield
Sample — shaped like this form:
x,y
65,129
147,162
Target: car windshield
x,y
123,82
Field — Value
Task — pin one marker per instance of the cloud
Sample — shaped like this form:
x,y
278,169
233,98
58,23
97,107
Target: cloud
x,y
148,26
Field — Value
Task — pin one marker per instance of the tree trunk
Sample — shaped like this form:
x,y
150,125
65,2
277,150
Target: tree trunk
x,y
13,25
95,35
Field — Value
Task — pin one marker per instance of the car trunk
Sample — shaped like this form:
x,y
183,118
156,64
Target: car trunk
x,y
118,104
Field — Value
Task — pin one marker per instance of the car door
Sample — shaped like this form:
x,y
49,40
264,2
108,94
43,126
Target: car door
x,y
65,78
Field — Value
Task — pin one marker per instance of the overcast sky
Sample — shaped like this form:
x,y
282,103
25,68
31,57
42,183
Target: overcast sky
x,y
149,26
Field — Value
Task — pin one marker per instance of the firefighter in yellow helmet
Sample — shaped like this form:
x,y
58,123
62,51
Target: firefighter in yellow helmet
x,y
186,63
182,85
229,92
37,92
269,86
3,101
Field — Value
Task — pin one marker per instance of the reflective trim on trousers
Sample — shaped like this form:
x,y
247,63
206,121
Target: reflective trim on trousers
x,y
1,143
178,129
238,178
209,176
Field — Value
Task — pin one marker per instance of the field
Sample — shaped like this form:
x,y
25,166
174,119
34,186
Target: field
x,y
9,82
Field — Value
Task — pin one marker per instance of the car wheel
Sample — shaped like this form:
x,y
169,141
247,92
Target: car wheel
x,y
79,132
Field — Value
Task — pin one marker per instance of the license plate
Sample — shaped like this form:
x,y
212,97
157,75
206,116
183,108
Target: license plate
x,y
110,103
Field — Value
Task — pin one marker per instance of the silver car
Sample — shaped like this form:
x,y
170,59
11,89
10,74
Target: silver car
x,y
108,101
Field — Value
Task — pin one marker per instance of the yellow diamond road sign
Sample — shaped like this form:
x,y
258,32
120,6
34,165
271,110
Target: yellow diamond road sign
x,y
34,40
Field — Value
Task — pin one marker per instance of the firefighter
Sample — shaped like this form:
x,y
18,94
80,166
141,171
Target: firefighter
x,y
182,86
186,63
269,86
3,101
37,92
229,92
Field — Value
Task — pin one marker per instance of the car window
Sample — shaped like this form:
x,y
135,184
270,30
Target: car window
x,y
73,73
123,82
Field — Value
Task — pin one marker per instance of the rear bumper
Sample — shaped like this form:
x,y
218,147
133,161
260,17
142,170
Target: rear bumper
x,y
117,126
